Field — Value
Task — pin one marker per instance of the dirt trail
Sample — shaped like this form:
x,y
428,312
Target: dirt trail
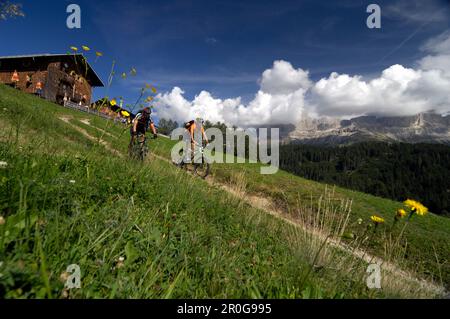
x,y
88,122
90,137
267,206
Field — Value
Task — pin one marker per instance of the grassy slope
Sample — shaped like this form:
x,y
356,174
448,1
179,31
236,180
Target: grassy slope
x,y
180,237
427,238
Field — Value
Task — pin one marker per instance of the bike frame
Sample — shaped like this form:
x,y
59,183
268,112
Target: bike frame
x,y
141,142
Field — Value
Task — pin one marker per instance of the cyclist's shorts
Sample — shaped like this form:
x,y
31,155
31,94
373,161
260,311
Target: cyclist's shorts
x,y
139,130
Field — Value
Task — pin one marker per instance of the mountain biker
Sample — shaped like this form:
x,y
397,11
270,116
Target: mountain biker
x,y
141,124
196,132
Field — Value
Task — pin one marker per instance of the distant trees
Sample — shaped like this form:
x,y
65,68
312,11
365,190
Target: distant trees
x,y
166,126
219,125
396,171
10,10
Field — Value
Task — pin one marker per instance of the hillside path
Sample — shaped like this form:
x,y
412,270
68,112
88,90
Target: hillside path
x,y
266,205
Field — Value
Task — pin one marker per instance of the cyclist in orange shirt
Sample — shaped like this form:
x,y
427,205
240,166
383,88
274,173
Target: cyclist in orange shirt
x,y
194,128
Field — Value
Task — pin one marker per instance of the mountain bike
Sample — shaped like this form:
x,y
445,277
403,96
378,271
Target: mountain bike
x,y
200,166
139,150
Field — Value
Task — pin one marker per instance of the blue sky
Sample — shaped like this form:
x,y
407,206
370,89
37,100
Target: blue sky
x,y
224,46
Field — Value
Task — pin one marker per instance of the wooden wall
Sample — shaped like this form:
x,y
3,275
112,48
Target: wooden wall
x,y
57,81
23,85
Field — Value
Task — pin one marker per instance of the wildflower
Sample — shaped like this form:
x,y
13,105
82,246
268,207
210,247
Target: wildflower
x,y
98,55
2,220
120,262
86,48
416,207
133,72
75,49
124,75
63,277
113,102
147,86
360,221
154,90
3,164
65,293
377,220
149,99
401,213
72,181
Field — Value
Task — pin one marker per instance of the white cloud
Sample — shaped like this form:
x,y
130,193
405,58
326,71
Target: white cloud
x,y
285,92
280,100
436,62
439,44
417,11
393,93
282,78
439,54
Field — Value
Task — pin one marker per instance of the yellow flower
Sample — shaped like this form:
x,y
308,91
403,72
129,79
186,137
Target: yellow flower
x,y
149,99
124,75
74,49
377,220
401,213
154,90
99,54
148,86
416,207
113,102
86,48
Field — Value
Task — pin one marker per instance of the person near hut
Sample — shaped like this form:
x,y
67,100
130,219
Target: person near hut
x,y
39,88
15,78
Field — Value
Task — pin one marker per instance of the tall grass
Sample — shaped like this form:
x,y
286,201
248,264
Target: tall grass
x,y
150,230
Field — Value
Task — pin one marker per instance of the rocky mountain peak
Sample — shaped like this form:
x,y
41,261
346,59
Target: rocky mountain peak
x,y
424,127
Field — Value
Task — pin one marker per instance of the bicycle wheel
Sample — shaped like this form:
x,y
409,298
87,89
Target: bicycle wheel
x,y
135,150
202,169
143,151
141,147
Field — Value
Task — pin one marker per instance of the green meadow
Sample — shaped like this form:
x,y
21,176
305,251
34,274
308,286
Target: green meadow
x,y
69,195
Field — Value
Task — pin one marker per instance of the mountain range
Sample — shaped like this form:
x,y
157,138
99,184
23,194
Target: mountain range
x,y
421,128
